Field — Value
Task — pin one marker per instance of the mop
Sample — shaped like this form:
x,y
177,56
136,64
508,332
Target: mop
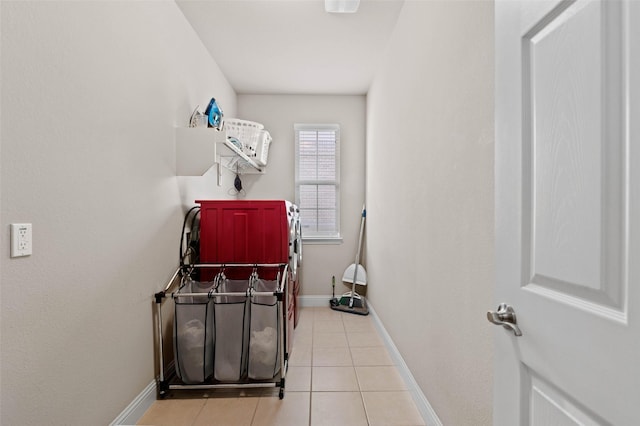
x,y
355,274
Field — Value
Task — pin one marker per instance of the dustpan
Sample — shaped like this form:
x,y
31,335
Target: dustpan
x,y
360,274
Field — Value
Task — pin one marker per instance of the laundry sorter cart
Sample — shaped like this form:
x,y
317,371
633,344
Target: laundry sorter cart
x,y
228,332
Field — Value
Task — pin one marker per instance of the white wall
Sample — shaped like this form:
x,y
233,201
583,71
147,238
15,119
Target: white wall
x,y
279,113
430,201
91,92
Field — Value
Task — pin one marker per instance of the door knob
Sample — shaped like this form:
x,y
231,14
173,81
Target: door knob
x,y
506,317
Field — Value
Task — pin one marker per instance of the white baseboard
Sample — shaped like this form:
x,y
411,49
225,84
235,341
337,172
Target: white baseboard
x,y
314,301
422,404
138,407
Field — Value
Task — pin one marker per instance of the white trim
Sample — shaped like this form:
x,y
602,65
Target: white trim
x,y
322,240
136,409
319,126
314,301
422,404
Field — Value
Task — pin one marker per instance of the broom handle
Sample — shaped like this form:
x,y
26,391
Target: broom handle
x,y
355,271
364,215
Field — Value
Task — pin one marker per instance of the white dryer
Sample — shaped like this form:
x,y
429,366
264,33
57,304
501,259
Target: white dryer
x,y
295,254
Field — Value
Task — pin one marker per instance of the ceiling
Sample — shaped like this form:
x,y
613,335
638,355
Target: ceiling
x,y
293,46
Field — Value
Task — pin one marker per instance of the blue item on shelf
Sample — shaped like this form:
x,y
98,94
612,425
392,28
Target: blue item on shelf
x,y
214,114
235,142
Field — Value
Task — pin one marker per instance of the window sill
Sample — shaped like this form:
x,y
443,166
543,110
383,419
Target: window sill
x,y
322,240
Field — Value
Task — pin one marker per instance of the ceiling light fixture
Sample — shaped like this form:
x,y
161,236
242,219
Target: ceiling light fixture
x,y
341,6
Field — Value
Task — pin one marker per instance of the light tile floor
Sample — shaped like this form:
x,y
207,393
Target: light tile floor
x,y
340,374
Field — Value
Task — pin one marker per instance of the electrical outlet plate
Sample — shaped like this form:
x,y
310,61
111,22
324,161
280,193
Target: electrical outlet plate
x,y
21,239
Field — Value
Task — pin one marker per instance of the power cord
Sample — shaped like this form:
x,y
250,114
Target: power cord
x,y
182,254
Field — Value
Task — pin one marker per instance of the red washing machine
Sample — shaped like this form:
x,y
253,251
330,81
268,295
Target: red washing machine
x,y
254,231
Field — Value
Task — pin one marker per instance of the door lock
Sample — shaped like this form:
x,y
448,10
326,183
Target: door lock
x,y
506,317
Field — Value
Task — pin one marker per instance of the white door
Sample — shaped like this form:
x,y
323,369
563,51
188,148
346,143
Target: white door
x,y
568,212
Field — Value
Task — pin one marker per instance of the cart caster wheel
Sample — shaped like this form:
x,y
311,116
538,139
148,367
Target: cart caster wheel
x,y
281,394
163,389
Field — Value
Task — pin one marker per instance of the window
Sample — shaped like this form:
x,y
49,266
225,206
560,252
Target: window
x,y
318,180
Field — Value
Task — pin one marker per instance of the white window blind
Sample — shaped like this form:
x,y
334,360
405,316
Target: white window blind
x,y
318,179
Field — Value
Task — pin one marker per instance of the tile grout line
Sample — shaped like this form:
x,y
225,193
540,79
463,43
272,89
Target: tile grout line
x,y
199,412
353,364
364,405
255,410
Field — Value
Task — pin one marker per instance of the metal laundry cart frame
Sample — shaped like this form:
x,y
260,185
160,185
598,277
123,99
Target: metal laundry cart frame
x,y
167,379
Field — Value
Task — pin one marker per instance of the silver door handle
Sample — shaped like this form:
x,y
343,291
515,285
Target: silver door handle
x,y
506,317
